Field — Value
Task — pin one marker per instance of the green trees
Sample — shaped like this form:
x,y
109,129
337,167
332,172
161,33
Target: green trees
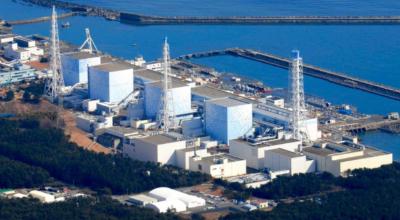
x,y
15,174
49,149
368,194
294,186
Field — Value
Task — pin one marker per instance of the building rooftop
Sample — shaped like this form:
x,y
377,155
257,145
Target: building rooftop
x,y
174,84
158,139
148,75
143,198
268,143
217,159
227,102
286,153
368,152
210,93
122,130
2,36
250,178
22,38
329,148
113,66
81,55
318,151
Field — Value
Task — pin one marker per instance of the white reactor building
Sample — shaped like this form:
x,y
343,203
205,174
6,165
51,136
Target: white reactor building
x,y
179,96
110,82
75,66
228,119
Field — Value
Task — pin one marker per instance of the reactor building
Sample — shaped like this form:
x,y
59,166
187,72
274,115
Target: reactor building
x,y
110,82
228,118
179,96
75,66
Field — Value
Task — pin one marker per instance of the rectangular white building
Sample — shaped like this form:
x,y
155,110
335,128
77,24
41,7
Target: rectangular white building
x,y
255,153
12,51
184,156
338,158
110,82
75,66
219,166
281,159
157,148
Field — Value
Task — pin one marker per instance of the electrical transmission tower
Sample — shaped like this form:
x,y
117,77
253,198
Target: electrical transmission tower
x,y
89,44
166,117
297,94
55,84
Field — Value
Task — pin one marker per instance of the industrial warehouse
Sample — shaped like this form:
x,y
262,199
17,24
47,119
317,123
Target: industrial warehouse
x,y
150,112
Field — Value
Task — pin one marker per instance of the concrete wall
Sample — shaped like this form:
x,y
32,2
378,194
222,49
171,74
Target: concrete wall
x,y
276,162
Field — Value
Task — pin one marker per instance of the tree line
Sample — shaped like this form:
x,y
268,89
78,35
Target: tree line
x,y
14,174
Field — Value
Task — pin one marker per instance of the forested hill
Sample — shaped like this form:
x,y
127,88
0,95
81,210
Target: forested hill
x,y
366,194
49,150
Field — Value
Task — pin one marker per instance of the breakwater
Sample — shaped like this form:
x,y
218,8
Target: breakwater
x,y
138,19
40,19
266,20
310,70
78,8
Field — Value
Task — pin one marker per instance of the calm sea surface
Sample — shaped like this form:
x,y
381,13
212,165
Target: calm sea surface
x,y
371,52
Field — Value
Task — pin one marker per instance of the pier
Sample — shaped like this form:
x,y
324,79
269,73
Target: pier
x,y
310,70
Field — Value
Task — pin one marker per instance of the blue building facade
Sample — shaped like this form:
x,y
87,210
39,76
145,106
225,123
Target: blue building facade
x,y
227,119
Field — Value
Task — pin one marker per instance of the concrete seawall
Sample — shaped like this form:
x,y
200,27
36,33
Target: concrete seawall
x,y
40,19
265,20
137,19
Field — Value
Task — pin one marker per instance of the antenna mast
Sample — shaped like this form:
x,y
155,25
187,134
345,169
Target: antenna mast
x,y
297,94
89,44
55,84
166,117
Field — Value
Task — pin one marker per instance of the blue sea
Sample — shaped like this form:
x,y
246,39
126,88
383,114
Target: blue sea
x,y
368,51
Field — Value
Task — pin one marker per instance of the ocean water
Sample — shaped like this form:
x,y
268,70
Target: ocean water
x,y
368,51
250,7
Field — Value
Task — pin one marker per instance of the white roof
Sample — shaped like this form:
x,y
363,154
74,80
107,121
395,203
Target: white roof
x,y
143,198
41,196
169,204
168,193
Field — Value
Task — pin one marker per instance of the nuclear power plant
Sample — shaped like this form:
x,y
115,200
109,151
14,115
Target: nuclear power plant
x,y
152,113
